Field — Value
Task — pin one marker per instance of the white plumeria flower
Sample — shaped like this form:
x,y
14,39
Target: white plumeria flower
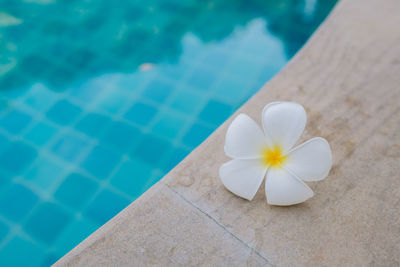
x,y
256,155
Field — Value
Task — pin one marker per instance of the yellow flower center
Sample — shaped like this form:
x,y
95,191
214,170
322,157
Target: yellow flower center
x,y
273,157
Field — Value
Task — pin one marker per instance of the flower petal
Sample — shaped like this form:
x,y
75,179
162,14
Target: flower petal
x,y
243,177
283,123
310,161
244,138
284,189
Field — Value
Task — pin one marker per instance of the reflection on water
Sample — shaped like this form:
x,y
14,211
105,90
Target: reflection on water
x,y
100,99
59,42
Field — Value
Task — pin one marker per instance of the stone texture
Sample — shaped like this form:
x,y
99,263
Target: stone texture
x,y
347,77
165,229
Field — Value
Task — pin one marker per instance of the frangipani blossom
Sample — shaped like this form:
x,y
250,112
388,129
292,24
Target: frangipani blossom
x,y
257,154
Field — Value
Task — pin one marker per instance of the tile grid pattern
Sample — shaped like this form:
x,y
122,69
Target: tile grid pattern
x,y
106,133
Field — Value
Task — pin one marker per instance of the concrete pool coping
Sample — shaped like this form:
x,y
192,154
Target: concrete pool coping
x,y
347,76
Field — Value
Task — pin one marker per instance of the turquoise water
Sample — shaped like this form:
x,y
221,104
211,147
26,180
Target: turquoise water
x,y
100,99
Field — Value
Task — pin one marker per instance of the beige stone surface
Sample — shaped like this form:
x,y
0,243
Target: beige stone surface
x,y
165,229
348,78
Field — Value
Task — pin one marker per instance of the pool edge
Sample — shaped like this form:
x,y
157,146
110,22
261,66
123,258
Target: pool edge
x,y
143,235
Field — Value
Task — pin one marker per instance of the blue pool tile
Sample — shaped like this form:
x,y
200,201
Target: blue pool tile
x,y
105,206
196,134
141,114
41,98
21,252
215,112
17,157
3,230
47,222
157,91
129,83
113,102
215,60
87,92
168,125
44,173
268,71
132,177
15,121
69,147
17,202
174,72
201,79
41,133
187,102
231,91
151,149
243,67
63,112
121,136
192,45
73,234
177,155
92,124
76,190
101,161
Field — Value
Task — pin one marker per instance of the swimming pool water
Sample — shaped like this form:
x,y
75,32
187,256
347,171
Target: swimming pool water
x,y
99,99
